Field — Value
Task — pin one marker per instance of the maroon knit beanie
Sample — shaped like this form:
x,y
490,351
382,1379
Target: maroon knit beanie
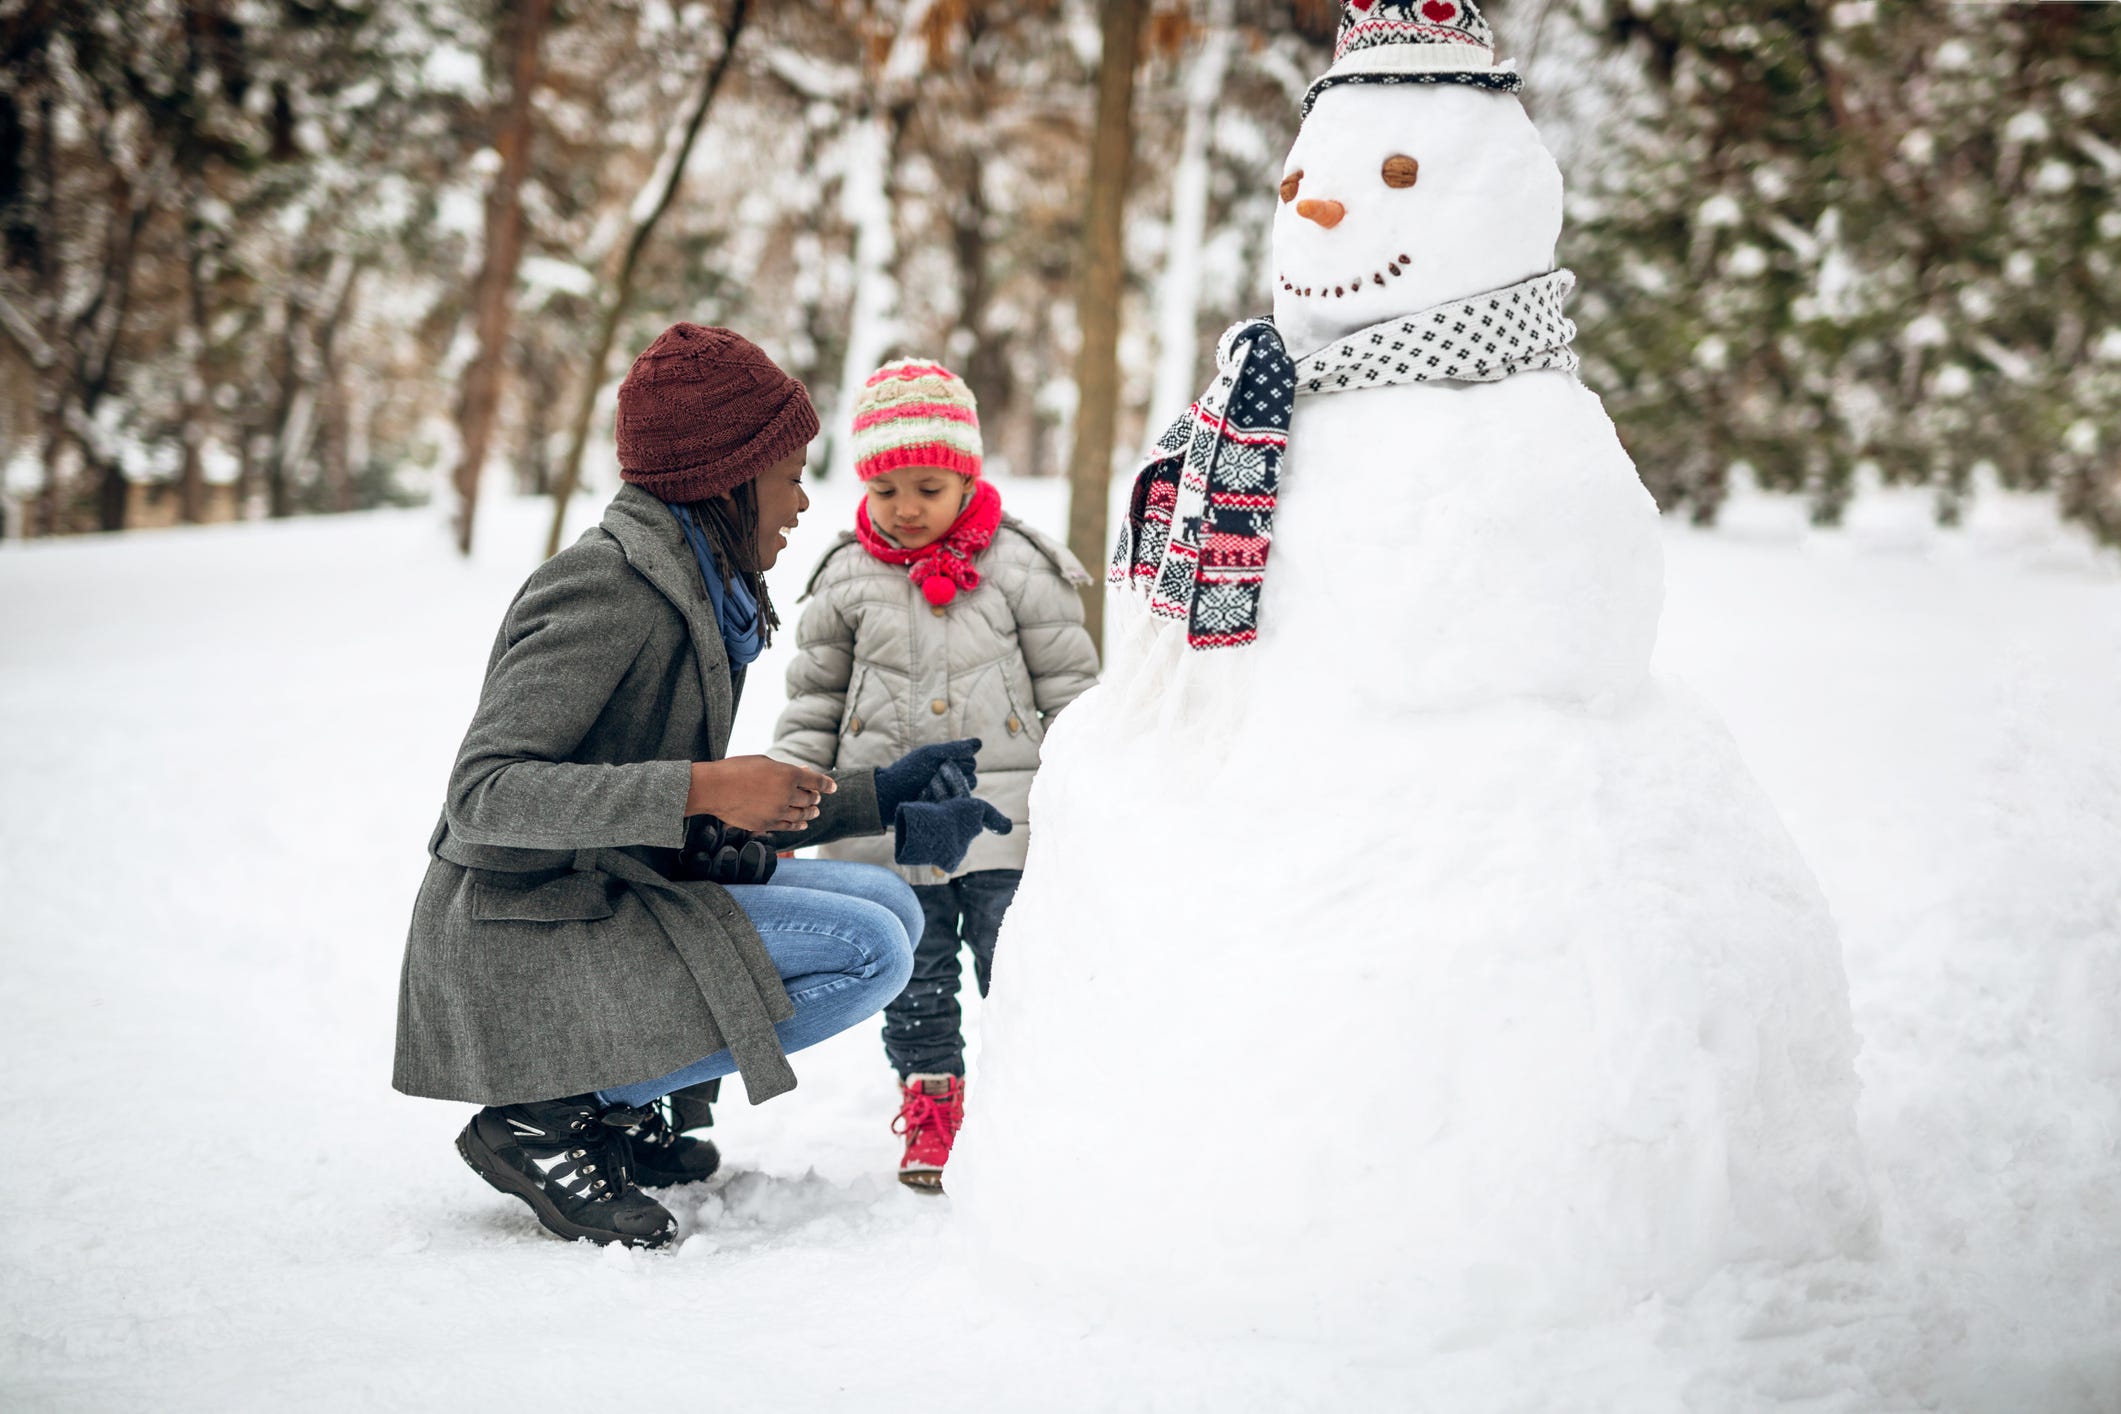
x,y
703,410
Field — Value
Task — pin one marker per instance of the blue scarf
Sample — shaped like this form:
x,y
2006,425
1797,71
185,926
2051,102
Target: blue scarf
x,y
736,608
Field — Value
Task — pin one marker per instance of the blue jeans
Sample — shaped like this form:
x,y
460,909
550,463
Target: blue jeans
x,y
841,935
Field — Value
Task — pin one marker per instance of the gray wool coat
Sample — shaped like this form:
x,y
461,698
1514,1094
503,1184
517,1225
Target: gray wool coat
x,y
879,671
550,953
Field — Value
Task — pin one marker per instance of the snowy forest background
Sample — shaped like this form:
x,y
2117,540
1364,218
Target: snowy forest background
x,y
272,257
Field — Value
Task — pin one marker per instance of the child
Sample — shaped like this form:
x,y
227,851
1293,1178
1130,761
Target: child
x,y
937,617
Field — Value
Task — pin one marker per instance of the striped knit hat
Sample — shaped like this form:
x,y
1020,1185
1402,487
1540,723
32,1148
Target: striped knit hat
x,y
915,412
1398,41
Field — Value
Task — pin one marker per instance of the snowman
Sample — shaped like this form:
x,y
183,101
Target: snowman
x,y
1398,956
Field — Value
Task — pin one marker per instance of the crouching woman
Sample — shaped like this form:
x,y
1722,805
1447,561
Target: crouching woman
x,y
596,929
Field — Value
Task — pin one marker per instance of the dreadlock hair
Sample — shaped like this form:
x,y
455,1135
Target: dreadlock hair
x,y
731,523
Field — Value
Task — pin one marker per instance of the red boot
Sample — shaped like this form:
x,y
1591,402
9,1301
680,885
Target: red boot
x,y
929,1117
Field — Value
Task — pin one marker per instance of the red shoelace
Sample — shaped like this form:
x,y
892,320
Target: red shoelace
x,y
922,1110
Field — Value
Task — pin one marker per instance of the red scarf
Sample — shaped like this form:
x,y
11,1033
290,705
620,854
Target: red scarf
x,y
944,567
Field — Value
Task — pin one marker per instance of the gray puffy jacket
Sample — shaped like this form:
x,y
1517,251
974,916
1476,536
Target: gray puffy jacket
x,y
879,671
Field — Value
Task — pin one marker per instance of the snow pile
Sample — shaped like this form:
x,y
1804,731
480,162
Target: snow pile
x,y
202,957
1434,907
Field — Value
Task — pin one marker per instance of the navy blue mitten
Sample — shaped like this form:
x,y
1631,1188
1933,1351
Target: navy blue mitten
x,y
946,771
939,833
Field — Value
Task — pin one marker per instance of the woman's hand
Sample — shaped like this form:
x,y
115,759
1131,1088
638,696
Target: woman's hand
x,y
757,793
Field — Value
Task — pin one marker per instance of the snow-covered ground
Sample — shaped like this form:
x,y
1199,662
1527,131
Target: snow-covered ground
x,y
221,752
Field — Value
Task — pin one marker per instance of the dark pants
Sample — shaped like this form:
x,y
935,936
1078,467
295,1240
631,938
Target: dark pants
x,y
921,1032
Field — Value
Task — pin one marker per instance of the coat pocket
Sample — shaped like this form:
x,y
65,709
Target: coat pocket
x,y
851,723
1022,720
571,898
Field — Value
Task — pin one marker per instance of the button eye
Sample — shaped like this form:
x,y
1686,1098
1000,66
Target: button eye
x,y
1400,171
1289,185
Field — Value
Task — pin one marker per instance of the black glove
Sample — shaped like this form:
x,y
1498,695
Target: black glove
x,y
939,833
933,773
718,854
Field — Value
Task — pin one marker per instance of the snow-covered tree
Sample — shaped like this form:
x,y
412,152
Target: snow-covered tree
x,y
1824,239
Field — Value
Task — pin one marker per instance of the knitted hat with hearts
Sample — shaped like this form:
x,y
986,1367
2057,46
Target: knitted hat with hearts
x,y
1414,41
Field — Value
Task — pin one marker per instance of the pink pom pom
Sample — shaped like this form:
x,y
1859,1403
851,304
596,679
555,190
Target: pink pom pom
x,y
938,590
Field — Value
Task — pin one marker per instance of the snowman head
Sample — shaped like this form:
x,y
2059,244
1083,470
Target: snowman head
x,y
1394,199
1416,177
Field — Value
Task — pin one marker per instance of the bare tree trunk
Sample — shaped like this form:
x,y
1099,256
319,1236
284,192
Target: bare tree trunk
x,y
338,450
986,361
113,494
1178,300
493,299
538,372
622,283
40,510
1008,420
37,331
278,502
331,394
869,199
307,358
43,518
113,490
1098,296
191,481
247,462
191,476
872,321
99,330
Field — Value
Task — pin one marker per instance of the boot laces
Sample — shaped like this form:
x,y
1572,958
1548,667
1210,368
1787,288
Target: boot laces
x,y
627,1120
922,1110
596,1155
651,1129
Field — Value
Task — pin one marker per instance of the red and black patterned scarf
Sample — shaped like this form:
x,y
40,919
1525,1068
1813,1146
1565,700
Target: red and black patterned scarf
x,y
1200,522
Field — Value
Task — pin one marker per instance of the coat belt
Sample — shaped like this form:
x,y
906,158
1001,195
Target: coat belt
x,y
719,946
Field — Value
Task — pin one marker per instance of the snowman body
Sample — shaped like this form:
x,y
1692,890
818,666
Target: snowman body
x,y
1446,967
1468,542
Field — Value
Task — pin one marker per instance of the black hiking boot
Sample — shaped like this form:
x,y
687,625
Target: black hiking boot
x,y
568,1160
662,1157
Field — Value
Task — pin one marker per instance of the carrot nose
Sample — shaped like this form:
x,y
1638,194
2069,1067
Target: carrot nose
x,y
1325,213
